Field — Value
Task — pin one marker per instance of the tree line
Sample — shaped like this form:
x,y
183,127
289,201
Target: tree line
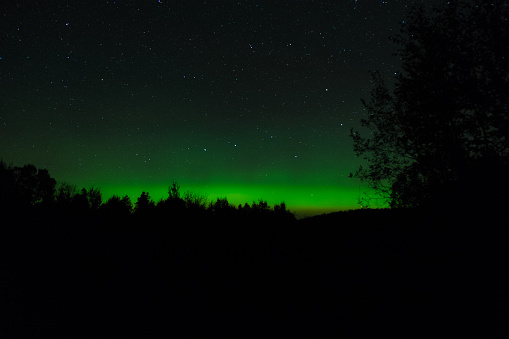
x,y
27,189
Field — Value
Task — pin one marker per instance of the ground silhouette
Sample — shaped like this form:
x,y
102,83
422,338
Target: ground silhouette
x,y
72,269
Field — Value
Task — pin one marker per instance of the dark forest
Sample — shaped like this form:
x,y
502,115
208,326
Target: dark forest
x,y
74,267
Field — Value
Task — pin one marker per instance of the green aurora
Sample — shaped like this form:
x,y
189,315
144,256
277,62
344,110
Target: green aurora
x,y
304,201
228,99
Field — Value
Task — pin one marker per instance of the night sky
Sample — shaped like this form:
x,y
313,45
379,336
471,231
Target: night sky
x,y
240,99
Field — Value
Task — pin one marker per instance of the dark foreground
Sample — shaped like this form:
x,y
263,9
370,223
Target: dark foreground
x,y
357,274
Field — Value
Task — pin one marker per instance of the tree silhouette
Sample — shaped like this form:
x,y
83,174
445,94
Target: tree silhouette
x,y
80,202
8,186
194,203
282,212
444,126
64,195
221,208
144,204
174,203
25,187
94,198
34,186
117,207
174,191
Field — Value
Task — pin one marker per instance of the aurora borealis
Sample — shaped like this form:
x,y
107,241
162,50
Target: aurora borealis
x,y
244,99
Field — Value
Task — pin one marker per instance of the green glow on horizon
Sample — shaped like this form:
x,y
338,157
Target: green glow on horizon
x,y
303,200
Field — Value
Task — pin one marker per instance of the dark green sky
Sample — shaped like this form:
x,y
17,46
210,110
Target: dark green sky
x,y
244,99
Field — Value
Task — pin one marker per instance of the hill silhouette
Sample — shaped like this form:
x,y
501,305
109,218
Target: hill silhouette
x,y
72,267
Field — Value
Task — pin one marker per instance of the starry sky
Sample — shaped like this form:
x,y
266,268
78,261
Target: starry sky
x,y
240,99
